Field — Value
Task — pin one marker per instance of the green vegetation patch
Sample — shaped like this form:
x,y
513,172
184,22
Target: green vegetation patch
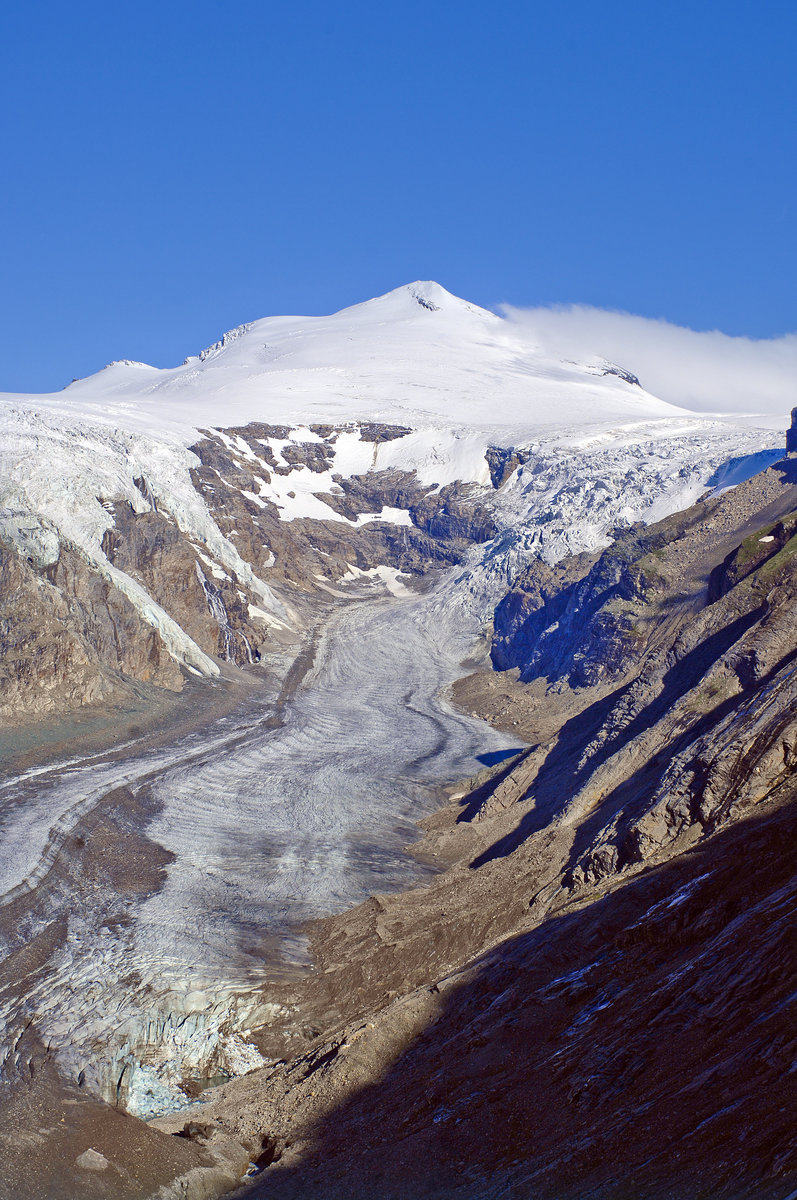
x,y
712,692
751,548
780,561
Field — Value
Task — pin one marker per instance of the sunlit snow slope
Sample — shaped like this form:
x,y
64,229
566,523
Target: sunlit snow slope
x,y
417,354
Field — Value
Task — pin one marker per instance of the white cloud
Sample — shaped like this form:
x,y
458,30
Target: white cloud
x,y
710,372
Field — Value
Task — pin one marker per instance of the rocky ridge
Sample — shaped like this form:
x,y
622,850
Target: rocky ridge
x,y
675,648
228,550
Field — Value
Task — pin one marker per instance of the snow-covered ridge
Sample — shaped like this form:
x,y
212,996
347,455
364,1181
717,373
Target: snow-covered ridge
x,y
229,337
417,355
123,362
458,378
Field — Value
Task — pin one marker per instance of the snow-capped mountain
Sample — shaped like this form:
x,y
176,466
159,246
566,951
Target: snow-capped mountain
x,y
374,433
417,355
231,513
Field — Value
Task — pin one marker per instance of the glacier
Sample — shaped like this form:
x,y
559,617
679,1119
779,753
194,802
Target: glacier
x,y
267,826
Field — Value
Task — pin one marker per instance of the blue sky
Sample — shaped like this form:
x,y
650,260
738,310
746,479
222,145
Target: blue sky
x,y
171,170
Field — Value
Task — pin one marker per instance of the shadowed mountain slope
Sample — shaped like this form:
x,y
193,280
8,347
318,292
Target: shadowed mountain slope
x,y
638,1047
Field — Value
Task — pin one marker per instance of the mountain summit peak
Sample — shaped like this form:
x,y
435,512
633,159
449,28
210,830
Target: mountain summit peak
x,y
411,299
415,354
428,294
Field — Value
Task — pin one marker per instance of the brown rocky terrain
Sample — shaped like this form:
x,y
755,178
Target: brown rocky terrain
x,y
72,638
638,1046
592,998
444,523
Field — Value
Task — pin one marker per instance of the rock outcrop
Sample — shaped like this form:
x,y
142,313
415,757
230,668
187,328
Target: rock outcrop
x,y
205,601
791,434
437,526
70,638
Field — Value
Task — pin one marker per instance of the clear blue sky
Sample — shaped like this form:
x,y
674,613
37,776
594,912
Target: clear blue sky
x,y
170,170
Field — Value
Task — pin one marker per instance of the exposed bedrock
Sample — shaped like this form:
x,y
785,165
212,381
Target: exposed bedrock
x,y
503,461
204,600
445,522
423,526
71,638
671,664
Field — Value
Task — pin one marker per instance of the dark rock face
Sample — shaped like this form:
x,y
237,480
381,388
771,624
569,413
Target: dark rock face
x,y
372,431
454,515
152,550
308,454
503,462
261,431
444,523
70,638
791,434
370,493
621,373
217,458
591,603
535,603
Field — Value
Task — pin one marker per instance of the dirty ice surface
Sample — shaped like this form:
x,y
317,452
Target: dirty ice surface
x,y
313,817
269,826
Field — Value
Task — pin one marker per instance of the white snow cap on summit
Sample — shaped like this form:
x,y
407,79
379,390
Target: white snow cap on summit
x,y
425,293
416,355
412,304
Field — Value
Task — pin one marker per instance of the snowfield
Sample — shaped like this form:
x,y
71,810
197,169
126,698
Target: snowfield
x,y
417,356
